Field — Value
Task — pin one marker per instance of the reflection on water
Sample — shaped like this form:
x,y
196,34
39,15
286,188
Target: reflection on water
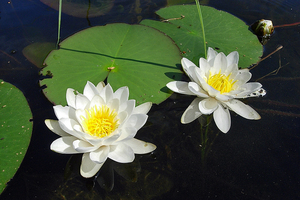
x,y
254,160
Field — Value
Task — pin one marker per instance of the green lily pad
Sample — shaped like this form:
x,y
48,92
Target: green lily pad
x,y
136,56
15,131
223,31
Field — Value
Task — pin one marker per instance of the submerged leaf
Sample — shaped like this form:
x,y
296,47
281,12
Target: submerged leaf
x,y
82,8
37,52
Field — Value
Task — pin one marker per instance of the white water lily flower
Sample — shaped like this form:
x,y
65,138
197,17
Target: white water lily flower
x,y
100,124
217,83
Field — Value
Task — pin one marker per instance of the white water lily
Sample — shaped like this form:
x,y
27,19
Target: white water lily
x,y
217,83
100,124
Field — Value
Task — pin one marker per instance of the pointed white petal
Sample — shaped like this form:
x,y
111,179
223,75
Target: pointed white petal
x,y
113,104
233,58
223,97
186,65
83,146
112,138
197,90
53,125
64,112
204,67
242,109
143,108
222,118
136,120
139,146
220,64
121,153
127,106
81,101
70,96
96,101
107,93
211,54
179,87
90,90
127,133
64,145
67,125
207,106
242,77
248,89
100,86
192,112
89,168
100,155
122,94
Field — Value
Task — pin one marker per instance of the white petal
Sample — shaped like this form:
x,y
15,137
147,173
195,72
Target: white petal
x,y
107,93
220,64
192,112
204,66
143,108
81,101
233,58
207,106
53,125
248,89
111,139
122,94
83,146
127,133
186,65
70,96
136,120
212,91
197,90
139,146
89,168
64,145
113,104
90,90
232,70
127,106
64,112
211,54
222,118
96,101
121,153
180,87
80,114
100,86
242,109
67,125
242,77
100,155
224,97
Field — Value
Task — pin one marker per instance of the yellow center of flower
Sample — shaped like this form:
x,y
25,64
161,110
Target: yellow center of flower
x,y
221,82
100,121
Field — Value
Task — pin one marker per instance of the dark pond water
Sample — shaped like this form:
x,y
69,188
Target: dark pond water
x,y
254,160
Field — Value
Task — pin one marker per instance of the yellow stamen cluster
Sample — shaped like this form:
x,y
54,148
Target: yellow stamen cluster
x,y
100,121
221,82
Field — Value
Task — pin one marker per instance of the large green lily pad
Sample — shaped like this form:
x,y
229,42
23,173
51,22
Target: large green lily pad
x,y
224,32
15,131
136,56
